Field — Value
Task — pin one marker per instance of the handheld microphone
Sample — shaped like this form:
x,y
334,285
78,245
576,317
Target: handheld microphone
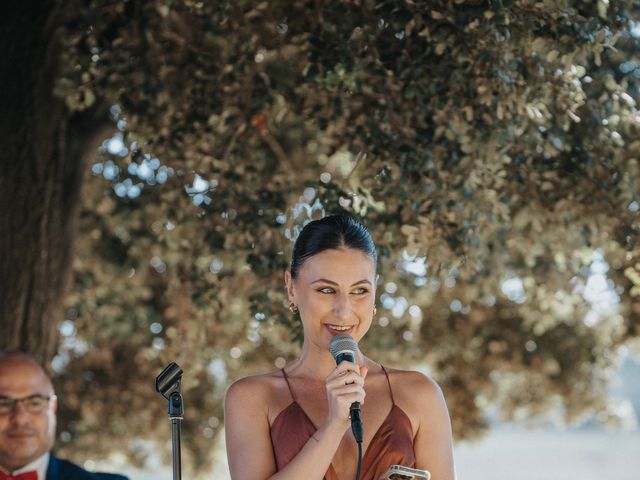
x,y
344,348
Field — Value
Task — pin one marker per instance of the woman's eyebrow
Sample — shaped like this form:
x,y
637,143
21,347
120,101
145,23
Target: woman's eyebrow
x,y
324,280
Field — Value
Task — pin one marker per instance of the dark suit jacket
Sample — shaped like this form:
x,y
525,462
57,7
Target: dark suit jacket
x,y
65,470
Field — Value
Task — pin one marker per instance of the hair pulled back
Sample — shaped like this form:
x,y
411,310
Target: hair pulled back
x,y
331,232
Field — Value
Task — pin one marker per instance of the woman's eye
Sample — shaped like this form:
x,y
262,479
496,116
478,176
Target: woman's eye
x,y
357,291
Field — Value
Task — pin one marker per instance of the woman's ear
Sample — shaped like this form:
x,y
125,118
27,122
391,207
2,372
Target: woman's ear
x,y
288,280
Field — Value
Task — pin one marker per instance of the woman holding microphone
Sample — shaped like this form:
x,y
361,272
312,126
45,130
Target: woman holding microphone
x,y
294,423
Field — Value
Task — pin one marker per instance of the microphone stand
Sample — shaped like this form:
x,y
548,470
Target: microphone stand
x,y
168,385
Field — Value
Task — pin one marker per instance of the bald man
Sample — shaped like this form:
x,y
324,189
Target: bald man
x,y
28,425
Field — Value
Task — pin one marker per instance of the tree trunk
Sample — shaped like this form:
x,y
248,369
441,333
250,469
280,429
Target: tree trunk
x,y
41,168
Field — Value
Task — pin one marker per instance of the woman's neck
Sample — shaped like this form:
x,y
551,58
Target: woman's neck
x,y
316,363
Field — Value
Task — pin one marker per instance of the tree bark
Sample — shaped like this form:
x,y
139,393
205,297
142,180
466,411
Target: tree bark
x,y
41,169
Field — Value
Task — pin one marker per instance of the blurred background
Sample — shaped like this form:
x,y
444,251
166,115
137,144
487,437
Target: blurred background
x,y
160,157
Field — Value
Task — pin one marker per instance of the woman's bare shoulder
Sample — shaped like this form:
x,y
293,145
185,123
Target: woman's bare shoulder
x,y
257,387
412,386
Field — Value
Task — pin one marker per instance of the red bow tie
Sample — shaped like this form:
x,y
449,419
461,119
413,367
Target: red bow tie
x,y
33,475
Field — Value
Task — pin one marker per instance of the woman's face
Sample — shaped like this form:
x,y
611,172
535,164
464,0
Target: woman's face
x,y
335,293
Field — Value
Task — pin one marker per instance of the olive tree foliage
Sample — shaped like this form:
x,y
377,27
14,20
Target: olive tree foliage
x,y
491,147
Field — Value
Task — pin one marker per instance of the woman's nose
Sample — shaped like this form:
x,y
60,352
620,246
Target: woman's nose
x,y
342,307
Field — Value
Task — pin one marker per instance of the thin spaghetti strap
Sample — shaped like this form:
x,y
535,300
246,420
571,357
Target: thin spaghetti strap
x,y
389,383
286,379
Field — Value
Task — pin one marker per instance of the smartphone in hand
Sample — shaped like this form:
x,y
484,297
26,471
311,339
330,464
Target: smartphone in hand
x,y
398,472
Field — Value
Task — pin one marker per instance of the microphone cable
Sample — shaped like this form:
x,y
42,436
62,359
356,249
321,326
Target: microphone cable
x,y
358,432
359,461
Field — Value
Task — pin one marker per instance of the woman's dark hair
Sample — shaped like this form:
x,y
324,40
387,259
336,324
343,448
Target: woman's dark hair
x,y
333,231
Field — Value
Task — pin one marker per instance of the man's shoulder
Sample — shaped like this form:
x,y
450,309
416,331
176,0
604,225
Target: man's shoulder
x,y
63,469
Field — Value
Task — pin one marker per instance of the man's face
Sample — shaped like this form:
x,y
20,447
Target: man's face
x,y
24,435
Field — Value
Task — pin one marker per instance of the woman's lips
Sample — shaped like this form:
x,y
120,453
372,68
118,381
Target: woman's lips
x,y
338,329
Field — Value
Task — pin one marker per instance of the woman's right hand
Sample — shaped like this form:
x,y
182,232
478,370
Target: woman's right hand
x,y
344,385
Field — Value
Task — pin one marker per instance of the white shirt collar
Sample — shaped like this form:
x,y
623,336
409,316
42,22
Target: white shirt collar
x,y
40,465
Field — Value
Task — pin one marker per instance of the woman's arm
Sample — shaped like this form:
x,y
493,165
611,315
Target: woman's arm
x,y
249,449
246,425
433,442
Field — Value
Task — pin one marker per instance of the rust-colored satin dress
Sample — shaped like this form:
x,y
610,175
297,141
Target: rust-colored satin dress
x,y
392,444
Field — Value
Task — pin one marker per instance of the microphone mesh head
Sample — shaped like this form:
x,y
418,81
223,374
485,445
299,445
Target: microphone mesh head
x,y
341,343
